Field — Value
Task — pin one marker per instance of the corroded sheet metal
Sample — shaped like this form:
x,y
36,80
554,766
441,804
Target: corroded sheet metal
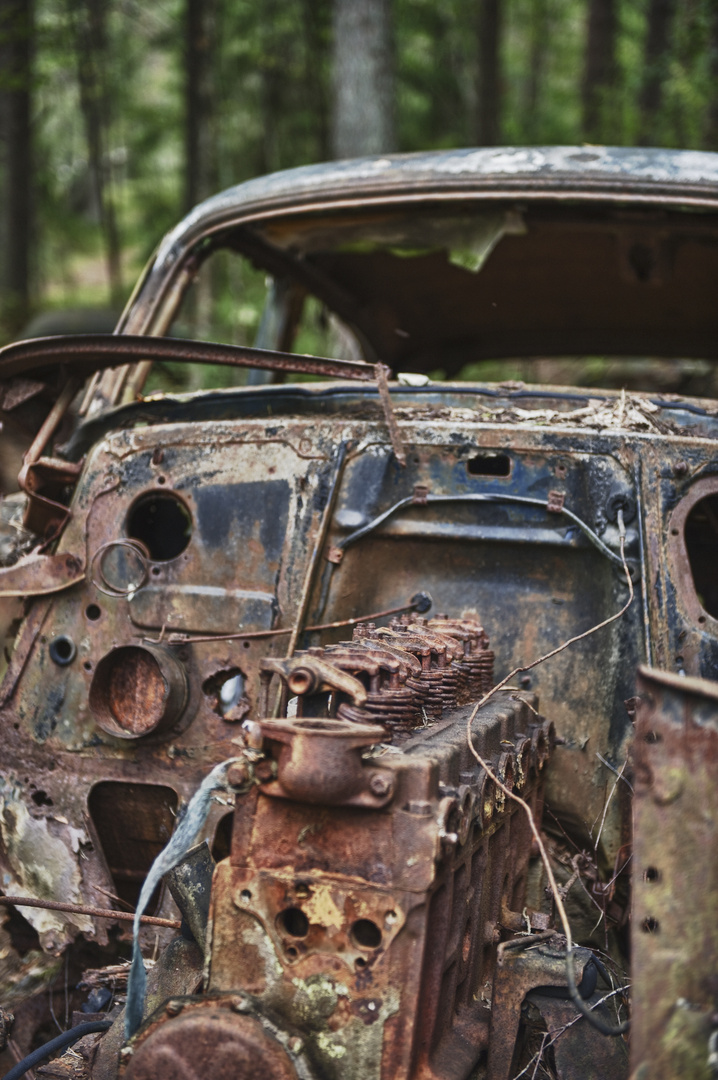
x,y
373,929
675,912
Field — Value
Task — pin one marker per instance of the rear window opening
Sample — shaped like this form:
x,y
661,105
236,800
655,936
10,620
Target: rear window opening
x,y
701,536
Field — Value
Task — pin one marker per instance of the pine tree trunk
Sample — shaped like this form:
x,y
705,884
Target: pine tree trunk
x,y
315,20
200,156
363,78
711,135
656,55
16,26
539,47
488,126
91,54
599,70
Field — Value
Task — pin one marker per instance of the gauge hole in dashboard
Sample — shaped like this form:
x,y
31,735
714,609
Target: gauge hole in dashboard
x,y
161,521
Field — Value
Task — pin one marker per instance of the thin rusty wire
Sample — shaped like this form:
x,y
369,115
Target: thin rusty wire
x,y
180,639
83,909
575,997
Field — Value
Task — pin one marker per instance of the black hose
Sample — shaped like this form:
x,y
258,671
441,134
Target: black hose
x,y
67,1038
587,1010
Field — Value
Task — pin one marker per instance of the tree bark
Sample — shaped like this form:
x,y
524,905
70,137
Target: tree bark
x,y
92,58
363,78
711,134
656,55
315,22
599,70
16,27
540,43
200,155
488,128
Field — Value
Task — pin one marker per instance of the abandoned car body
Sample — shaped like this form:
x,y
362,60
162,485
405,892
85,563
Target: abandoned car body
x,y
330,598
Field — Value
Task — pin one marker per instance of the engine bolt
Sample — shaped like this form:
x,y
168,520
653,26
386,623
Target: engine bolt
x,y
174,1008
238,774
380,784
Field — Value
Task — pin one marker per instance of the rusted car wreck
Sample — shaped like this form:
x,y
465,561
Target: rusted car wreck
x,y
302,622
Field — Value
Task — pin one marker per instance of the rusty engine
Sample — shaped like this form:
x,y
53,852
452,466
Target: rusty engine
x,y
373,880
342,912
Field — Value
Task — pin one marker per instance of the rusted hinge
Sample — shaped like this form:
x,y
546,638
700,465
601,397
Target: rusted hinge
x,y
421,492
555,502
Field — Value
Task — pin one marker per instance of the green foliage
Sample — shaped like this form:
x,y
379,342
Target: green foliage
x,y
271,91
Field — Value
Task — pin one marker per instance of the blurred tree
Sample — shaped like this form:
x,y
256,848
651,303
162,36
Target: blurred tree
x,y
488,126
540,42
315,27
711,127
599,71
656,58
200,134
88,22
16,40
363,120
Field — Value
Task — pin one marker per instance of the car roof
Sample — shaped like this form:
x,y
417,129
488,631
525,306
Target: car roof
x,y
659,176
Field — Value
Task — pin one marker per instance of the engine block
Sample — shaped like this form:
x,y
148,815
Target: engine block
x,y
374,870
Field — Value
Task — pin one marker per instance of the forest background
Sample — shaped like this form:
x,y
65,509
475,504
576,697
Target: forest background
x,y
116,116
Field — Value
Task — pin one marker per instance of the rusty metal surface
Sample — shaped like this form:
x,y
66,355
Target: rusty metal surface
x,y
80,909
212,551
675,940
84,354
563,172
177,972
523,965
38,575
533,582
346,915
189,1037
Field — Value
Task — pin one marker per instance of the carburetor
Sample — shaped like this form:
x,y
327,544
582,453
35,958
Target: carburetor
x,y
375,867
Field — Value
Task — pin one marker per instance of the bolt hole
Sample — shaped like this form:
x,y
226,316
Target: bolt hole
x,y
651,873
366,934
161,479
360,962
87,665
62,650
652,737
650,925
391,917
294,922
701,618
674,532
245,896
93,612
246,644
679,659
292,952
156,571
